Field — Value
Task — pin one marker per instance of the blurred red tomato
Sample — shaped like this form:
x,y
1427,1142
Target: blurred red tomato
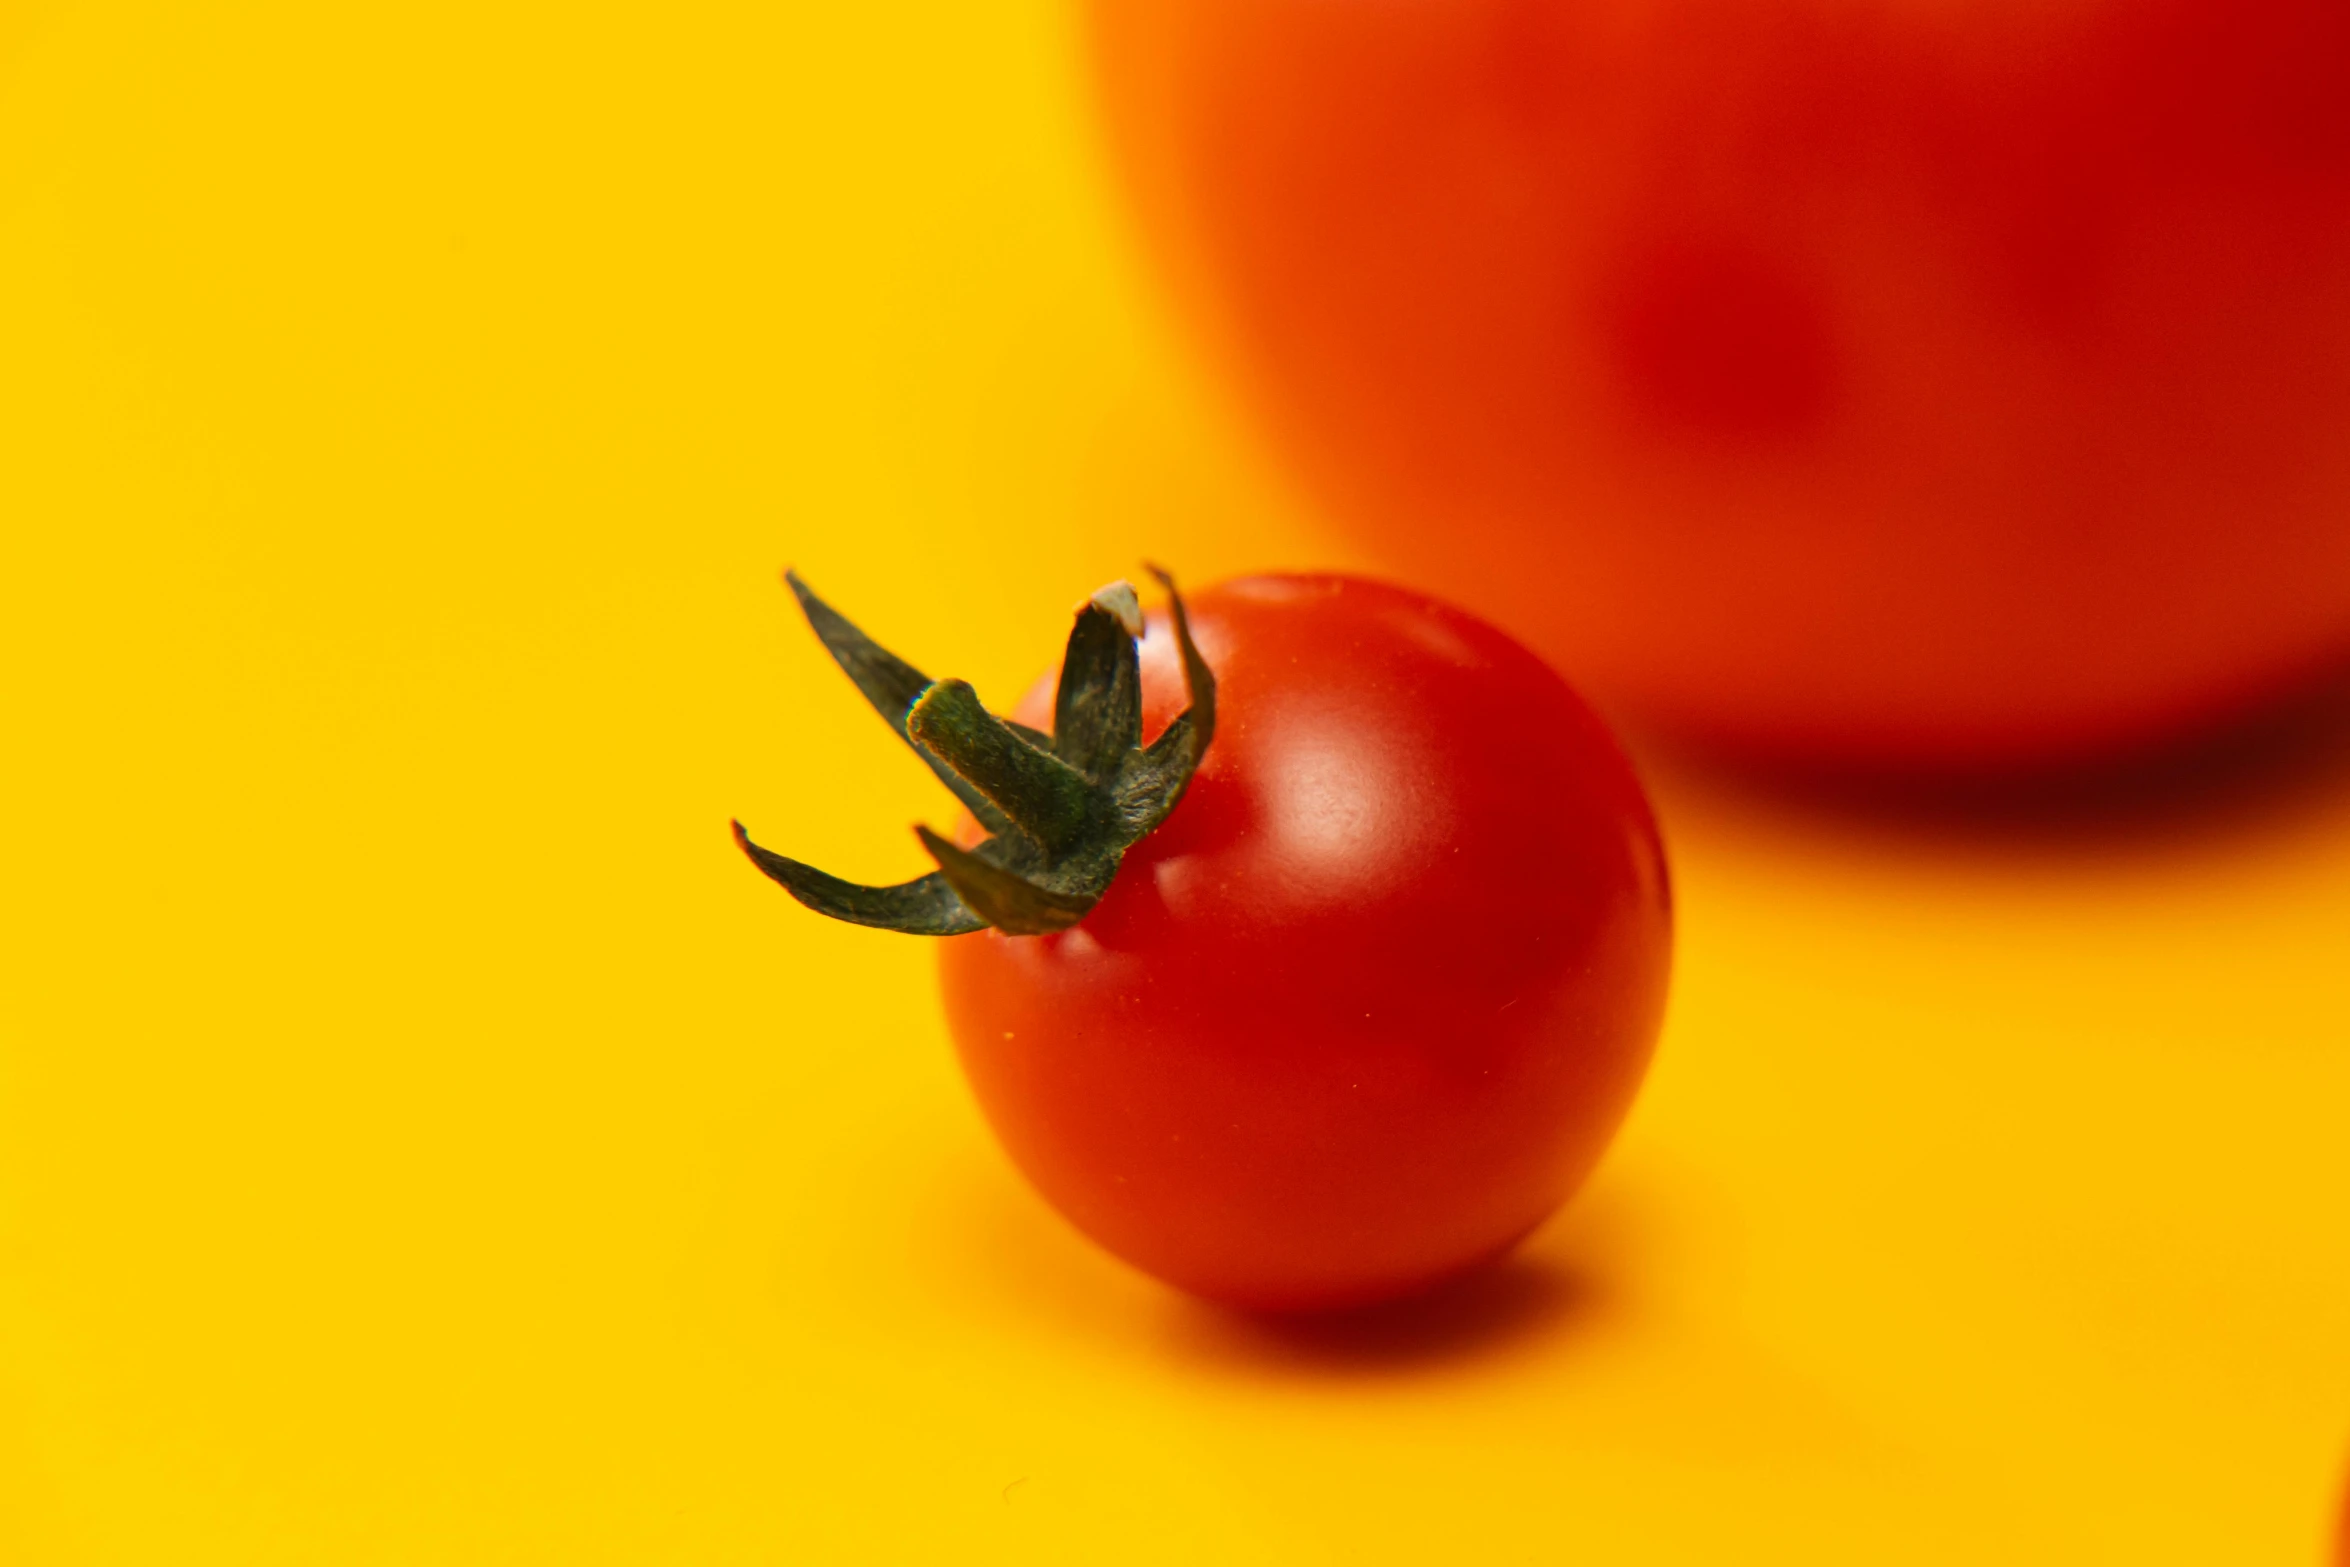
x,y
1945,386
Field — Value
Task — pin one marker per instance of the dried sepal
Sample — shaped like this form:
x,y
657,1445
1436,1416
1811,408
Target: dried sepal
x,y
1060,810
1000,897
925,906
1097,711
888,683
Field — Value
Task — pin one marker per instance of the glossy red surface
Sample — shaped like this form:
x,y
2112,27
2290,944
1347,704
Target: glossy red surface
x,y
1372,1002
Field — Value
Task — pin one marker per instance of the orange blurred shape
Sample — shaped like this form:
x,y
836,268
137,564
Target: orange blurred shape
x,y
1955,389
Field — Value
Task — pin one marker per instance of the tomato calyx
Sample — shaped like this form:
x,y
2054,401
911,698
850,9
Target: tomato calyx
x,y
1060,810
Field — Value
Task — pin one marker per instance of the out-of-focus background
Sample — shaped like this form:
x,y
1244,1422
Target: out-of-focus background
x,y
423,1139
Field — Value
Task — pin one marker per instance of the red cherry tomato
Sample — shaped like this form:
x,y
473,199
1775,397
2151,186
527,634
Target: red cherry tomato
x,y
1947,387
1372,1001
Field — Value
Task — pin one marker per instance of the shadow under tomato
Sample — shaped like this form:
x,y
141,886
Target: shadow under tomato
x,y
996,1251
2280,769
1499,1307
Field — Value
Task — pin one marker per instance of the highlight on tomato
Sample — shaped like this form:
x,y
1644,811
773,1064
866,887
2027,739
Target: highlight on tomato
x,y
1305,945
1941,388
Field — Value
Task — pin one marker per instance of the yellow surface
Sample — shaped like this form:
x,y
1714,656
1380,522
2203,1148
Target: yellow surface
x,y
422,1139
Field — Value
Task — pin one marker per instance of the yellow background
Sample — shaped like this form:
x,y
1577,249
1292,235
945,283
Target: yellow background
x,y
422,1138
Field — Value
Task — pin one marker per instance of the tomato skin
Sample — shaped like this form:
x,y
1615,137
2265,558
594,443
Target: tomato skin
x,y
1372,1001
1903,386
